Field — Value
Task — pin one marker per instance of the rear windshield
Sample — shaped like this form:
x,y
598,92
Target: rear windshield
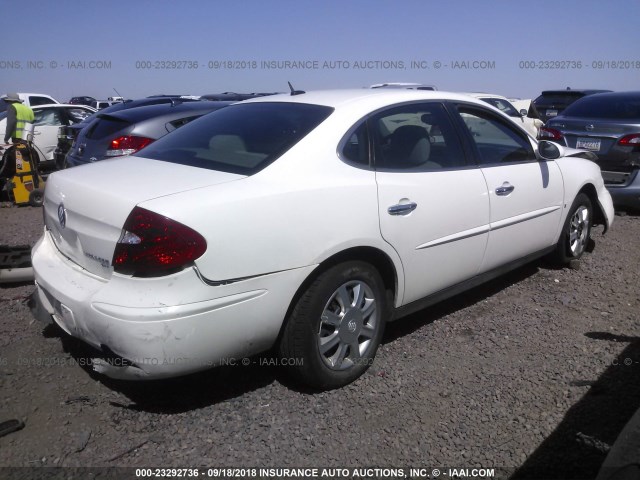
x,y
564,98
242,138
623,107
105,126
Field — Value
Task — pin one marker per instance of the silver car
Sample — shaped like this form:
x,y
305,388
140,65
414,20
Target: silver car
x,y
607,124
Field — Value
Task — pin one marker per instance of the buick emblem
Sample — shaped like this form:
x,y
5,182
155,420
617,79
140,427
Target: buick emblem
x,y
589,128
352,326
62,215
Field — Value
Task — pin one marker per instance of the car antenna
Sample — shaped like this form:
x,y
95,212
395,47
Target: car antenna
x,y
114,89
295,92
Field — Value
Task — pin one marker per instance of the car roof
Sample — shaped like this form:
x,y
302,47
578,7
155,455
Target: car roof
x,y
408,85
486,95
127,104
573,90
617,95
376,97
68,105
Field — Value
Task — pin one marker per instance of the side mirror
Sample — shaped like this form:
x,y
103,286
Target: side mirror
x,y
524,112
550,151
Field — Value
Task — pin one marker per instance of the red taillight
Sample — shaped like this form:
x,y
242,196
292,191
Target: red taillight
x,y
154,245
630,140
127,145
547,133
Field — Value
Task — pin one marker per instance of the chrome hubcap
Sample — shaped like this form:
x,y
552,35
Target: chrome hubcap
x,y
348,324
578,231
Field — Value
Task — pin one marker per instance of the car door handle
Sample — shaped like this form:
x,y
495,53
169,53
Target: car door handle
x,y
505,189
402,208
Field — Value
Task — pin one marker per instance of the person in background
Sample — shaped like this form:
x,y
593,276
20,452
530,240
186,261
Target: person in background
x,y
18,115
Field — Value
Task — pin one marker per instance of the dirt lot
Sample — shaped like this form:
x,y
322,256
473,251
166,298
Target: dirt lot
x,y
534,375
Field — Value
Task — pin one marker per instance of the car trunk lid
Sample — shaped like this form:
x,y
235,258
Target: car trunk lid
x,y
595,134
86,207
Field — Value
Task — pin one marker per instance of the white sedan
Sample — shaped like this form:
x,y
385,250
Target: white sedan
x,y
303,222
47,122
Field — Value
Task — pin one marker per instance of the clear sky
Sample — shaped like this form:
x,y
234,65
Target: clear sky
x,y
142,47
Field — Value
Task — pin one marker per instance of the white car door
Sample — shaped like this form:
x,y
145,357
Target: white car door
x,y
45,136
525,193
433,206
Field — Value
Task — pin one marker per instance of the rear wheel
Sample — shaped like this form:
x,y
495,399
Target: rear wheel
x,y
576,231
334,330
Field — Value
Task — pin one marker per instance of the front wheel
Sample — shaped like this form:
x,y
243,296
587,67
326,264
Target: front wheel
x,y
576,231
334,330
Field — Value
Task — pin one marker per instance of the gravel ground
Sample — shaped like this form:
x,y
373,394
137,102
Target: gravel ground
x,y
535,373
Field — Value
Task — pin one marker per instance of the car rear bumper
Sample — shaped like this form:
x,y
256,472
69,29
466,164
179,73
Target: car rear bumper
x,y
624,188
154,339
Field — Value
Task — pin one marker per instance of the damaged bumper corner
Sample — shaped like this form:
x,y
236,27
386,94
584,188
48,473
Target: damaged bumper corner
x,y
118,372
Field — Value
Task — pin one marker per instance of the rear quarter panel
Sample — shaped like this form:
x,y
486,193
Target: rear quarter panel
x,y
300,210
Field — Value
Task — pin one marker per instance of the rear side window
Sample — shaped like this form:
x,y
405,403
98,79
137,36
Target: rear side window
x,y
172,125
242,138
416,137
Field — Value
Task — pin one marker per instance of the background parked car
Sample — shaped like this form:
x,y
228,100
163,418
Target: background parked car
x,y
30,100
68,134
100,104
88,101
551,103
47,123
531,125
125,131
607,124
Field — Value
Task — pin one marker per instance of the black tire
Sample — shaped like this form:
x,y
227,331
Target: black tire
x,y
576,231
321,316
36,197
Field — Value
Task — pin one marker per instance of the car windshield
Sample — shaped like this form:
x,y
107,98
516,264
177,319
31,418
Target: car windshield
x,y
623,107
502,105
242,138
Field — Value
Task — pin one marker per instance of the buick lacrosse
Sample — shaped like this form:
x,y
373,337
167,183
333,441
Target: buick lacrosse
x,y
302,223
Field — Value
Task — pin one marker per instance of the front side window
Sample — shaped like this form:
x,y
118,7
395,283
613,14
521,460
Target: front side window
x,y
242,138
496,142
416,137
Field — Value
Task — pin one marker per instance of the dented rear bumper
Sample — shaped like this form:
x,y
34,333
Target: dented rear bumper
x,y
179,326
